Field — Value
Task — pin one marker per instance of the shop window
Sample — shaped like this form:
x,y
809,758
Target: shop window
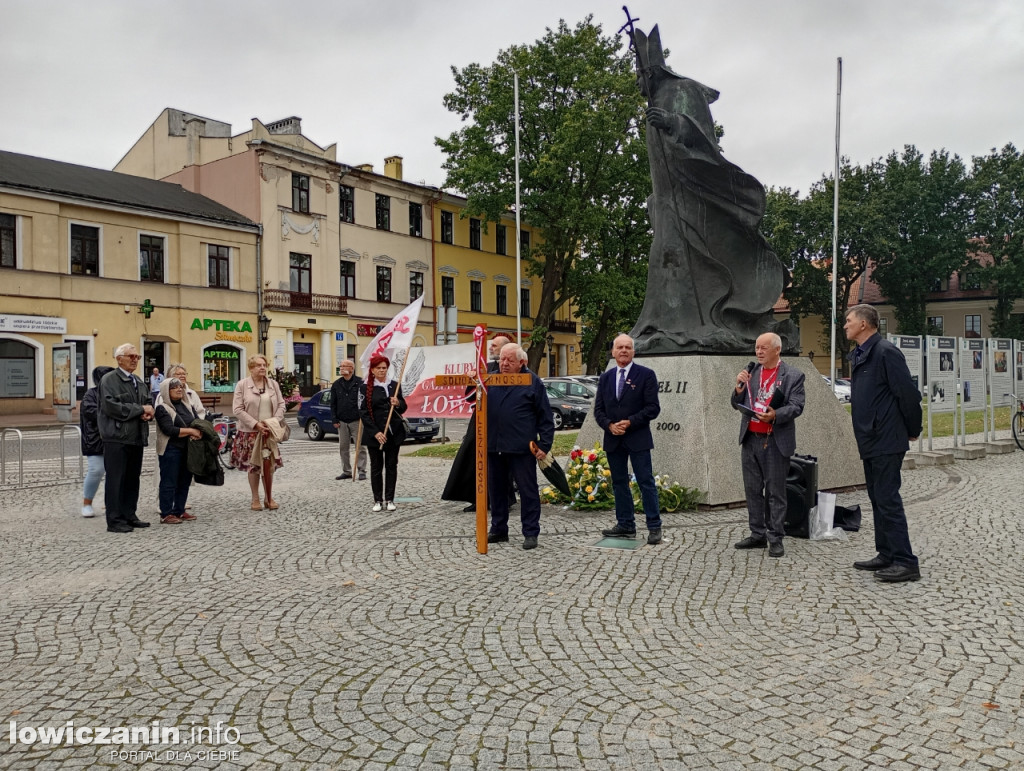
x,y
17,370
221,368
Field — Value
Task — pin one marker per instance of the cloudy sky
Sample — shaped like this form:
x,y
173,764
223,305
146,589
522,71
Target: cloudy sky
x,y
81,81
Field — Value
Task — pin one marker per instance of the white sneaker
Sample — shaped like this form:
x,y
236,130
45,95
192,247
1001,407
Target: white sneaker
x,y
377,506
391,506
88,512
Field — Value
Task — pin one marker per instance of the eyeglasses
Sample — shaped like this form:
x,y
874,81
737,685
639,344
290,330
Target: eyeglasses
x,y
132,356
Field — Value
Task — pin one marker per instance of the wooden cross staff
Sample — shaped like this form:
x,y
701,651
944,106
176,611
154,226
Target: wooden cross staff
x,y
490,380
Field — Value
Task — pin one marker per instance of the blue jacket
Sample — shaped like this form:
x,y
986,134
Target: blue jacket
x,y
886,403
639,404
788,403
517,415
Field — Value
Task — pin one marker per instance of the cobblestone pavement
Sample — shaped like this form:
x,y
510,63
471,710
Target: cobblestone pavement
x,y
327,636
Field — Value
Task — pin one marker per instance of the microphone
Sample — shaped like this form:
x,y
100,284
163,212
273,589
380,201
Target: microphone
x,y
751,365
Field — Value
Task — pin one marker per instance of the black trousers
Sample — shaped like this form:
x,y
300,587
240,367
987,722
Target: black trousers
x,y
892,539
123,465
383,468
522,467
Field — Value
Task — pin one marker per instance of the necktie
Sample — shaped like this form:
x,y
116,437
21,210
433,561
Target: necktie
x,y
622,382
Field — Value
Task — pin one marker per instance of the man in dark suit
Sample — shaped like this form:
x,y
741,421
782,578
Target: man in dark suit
x,y
775,393
516,416
123,419
886,418
626,403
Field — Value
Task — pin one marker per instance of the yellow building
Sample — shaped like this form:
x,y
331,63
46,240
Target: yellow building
x,y
93,259
340,254
476,272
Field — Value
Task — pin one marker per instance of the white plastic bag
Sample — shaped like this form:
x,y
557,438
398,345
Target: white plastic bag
x,y
821,518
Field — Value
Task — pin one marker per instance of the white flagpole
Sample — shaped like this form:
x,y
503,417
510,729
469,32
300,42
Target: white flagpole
x,y
519,274
835,220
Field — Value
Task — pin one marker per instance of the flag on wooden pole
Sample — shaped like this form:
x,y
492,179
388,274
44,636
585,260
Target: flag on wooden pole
x,y
395,336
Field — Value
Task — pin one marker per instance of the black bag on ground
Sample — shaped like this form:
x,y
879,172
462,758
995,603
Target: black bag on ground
x,y
847,517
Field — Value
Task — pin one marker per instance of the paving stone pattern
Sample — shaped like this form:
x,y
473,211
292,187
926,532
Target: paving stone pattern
x,y
331,637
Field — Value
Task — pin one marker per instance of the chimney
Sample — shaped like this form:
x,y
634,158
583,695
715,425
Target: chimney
x,y
365,167
393,167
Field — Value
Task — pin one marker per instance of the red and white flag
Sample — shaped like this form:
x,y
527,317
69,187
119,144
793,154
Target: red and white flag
x,y
395,336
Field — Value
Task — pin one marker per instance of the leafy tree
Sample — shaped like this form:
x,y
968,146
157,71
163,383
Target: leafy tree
x,y
997,182
801,232
926,204
579,106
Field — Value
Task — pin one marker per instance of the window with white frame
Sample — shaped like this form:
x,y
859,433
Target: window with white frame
x,y
151,258
84,250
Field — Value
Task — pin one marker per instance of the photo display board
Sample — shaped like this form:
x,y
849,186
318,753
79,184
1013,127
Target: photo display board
x,y
942,373
1019,367
972,373
913,352
1000,372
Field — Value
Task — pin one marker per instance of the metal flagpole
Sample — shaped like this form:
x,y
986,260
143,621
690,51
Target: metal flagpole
x,y
835,219
519,275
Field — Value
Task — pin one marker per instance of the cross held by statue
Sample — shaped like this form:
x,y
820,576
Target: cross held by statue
x,y
482,383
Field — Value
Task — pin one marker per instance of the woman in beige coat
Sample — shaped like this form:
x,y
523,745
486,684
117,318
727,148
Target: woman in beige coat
x,y
258,398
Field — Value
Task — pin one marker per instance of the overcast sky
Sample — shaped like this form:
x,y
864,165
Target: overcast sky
x,y
81,81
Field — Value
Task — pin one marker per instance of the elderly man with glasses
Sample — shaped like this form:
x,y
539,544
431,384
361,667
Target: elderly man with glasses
x,y
126,408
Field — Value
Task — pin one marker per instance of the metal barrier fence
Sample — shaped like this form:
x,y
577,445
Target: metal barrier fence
x,y
21,479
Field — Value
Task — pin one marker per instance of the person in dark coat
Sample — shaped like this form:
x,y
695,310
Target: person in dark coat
x,y
626,403
92,442
126,409
775,391
886,408
174,417
516,416
383,437
345,416
461,484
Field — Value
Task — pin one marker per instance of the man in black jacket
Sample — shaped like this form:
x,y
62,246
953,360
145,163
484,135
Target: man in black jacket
x,y
126,408
345,416
516,416
886,418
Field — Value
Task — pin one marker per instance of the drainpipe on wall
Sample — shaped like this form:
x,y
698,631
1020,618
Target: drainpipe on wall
x,y
433,260
259,286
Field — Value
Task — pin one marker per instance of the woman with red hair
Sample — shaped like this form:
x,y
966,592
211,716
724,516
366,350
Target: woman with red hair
x,y
382,437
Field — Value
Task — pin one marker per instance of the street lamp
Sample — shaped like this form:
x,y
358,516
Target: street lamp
x,y
551,358
264,323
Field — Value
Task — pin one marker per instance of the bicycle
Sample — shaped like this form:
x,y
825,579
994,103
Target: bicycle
x,y
226,427
1017,421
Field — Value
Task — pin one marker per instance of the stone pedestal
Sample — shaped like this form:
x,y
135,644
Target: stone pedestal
x,y
696,436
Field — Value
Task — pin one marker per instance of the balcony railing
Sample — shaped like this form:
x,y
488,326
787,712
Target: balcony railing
x,y
563,326
304,301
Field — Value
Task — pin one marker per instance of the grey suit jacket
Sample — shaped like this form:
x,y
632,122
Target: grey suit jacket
x,y
788,402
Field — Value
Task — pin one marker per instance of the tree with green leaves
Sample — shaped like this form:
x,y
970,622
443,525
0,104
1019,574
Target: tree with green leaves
x,y
927,205
580,110
801,233
998,233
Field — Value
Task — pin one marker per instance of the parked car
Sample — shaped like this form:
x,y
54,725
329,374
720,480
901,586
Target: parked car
x,y
566,386
315,417
568,411
842,389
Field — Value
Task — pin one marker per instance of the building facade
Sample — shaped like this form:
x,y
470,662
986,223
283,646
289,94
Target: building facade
x,y
92,259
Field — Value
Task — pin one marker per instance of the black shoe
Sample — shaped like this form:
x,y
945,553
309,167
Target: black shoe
x,y
497,538
776,549
362,477
751,543
343,476
618,532
530,542
470,507
654,536
875,563
896,573
137,523
120,527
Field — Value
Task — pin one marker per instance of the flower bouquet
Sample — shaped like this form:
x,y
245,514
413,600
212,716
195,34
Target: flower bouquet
x,y
672,496
590,481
